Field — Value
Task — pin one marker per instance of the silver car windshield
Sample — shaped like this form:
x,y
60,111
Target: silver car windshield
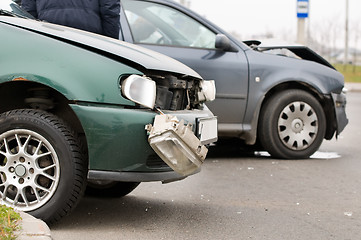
x,y
152,23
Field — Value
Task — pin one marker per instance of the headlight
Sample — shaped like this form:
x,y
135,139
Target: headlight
x,y
176,144
208,91
140,90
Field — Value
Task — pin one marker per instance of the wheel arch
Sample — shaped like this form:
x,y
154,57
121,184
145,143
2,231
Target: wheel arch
x,y
325,101
28,94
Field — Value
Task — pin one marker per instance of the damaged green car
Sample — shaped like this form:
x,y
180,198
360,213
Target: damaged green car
x,y
78,108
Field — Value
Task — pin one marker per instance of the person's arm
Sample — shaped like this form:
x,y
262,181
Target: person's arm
x,y
109,14
30,6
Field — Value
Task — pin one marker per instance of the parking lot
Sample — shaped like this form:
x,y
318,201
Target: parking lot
x,y
239,195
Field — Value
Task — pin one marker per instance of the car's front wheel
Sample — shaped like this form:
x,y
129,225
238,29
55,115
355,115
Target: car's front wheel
x,y
42,169
292,125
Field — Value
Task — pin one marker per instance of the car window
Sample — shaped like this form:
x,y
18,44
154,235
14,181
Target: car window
x,y
153,23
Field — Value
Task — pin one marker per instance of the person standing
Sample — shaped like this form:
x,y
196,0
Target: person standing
x,y
98,16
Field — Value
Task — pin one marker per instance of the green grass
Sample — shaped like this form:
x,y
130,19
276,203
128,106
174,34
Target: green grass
x,y
350,72
9,223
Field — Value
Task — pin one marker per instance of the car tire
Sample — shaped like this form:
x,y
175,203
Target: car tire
x,y
292,125
42,168
110,188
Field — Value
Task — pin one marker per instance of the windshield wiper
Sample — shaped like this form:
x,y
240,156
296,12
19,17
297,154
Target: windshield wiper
x,y
21,14
7,13
11,14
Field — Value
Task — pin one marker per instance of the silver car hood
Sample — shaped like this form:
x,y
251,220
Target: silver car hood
x,y
146,58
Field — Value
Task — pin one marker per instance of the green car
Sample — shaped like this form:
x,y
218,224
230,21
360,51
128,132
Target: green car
x,y
81,109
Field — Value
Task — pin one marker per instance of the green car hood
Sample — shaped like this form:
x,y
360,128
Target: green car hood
x,y
141,56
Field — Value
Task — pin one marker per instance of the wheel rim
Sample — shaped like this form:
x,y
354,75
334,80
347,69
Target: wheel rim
x,y
298,125
29,169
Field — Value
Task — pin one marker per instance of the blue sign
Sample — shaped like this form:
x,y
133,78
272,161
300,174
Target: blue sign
x,y
302,8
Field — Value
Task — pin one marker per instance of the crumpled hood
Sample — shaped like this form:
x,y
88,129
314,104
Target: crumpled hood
x,y
146,58
301,51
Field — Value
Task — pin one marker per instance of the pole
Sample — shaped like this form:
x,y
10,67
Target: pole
x,y
302,14
345,60
301,39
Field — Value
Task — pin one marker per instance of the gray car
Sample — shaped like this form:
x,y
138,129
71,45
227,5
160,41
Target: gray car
x,y
287,105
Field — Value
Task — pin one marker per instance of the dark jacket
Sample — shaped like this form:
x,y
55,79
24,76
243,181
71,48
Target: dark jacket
x,y
98,16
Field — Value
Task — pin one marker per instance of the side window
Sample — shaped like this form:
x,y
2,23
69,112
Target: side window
x,y
153,23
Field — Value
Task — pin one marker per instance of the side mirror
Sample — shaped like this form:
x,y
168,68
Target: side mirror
x,y
223,43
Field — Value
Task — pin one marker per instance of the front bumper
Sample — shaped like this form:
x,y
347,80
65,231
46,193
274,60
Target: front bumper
x,y
118,146
339,101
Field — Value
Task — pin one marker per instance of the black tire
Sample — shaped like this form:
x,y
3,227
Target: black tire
x,y
292,125
110,188
43,171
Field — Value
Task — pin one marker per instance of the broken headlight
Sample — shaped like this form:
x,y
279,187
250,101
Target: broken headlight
x,y
176,144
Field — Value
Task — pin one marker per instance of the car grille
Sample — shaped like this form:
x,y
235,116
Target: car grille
x,y
175,94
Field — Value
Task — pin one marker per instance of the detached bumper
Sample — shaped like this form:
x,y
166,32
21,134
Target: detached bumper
x,y
339,101
177,145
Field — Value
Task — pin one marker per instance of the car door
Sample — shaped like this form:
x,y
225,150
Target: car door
x,y
173,31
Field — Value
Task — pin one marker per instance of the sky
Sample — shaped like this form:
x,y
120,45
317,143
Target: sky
x,y
249,18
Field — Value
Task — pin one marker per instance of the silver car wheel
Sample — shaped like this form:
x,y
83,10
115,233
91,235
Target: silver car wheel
x,y
29,169
297,125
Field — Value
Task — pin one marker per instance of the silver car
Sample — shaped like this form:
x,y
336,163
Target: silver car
x,y
287,105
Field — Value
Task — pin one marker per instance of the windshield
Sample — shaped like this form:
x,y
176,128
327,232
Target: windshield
x,y
159,24
11,8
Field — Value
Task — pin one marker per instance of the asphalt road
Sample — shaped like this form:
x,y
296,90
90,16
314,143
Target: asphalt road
x,y
239,196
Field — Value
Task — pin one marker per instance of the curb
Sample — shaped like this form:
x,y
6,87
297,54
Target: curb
x,y
32,228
